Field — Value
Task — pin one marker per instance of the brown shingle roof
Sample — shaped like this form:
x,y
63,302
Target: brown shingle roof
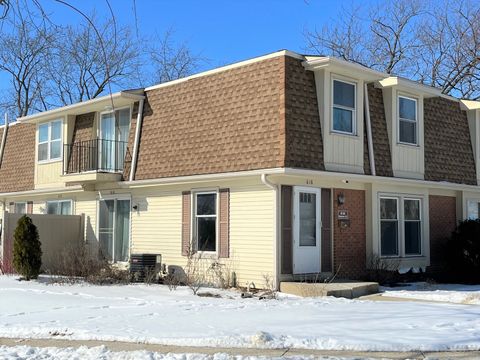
x,y
18,164
223,122
448,148
381,145
304,145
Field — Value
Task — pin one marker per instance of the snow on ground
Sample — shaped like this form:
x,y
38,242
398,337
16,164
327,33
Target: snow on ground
x,y
459,294
153,314
101,352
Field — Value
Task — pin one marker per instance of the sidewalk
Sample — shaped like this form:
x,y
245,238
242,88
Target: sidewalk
x,y
126,346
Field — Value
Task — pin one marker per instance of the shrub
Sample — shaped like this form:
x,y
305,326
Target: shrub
x,y
27,252
463,251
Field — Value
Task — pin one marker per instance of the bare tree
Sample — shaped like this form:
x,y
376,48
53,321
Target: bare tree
x,y
52,65
23,54
171,61
79,70
434,42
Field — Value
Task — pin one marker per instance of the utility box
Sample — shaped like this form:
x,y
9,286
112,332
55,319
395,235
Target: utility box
x,y
145,267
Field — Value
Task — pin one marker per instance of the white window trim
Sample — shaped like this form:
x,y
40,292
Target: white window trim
x,y
401,225
354,109
397,220
193,230
420,221
407,120
49,141
97,219
106,112
59,201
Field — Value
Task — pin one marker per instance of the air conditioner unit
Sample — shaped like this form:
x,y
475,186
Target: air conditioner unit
x,y
145,267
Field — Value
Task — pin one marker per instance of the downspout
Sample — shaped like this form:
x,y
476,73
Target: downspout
x,y
136,144
274,187
4,139
369,133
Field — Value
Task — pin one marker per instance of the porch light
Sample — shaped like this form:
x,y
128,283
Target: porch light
x,y
341,199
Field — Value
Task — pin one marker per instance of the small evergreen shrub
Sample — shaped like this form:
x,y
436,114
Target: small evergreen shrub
x,y
27,252
463,251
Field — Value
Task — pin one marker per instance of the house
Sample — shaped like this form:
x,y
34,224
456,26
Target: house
x,y
280,165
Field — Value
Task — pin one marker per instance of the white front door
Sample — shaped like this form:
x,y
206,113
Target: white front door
x,y
306,230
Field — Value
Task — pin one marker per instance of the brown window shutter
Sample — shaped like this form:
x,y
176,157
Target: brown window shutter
x,y
326,259
11,207
186,221
224,224
287,235
29,207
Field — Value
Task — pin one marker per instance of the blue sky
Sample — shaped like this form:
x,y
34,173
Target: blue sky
x,y
221,32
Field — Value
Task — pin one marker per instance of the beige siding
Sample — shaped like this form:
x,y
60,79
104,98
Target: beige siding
x,y
87,205
156,228
48,174
342,152
407,160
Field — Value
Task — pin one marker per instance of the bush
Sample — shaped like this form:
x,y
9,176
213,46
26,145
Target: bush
x,y
27,252
463,251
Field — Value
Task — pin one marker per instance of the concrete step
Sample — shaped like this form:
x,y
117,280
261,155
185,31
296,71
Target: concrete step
x,y
349,290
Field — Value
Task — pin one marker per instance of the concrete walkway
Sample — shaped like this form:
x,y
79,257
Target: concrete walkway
x,y
116,346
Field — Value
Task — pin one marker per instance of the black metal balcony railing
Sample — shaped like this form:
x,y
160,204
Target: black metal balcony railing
x,y
95,155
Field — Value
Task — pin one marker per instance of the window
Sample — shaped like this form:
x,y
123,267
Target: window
x,y
206,221
389,226
400,226
343,107
473,209
407,116
20,208
50,141
412,226
59,207
114,229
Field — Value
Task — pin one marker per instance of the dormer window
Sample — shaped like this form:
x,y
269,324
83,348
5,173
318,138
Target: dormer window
x,y
50,141
407,120
344,107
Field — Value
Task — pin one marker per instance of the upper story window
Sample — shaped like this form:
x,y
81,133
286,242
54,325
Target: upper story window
x,y
50,141
206,221
400,226
407,120
344,107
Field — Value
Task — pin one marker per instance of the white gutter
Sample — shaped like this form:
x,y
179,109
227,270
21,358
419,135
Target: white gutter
x,y
276,224
196,178
61,190
296,172
136,144
82,105
4,139
369,132
382,179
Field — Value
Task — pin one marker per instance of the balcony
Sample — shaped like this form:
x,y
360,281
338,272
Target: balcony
x,y
95,160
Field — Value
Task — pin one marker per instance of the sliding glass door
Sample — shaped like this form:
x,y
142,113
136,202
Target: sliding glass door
x,y
114,130
114,228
